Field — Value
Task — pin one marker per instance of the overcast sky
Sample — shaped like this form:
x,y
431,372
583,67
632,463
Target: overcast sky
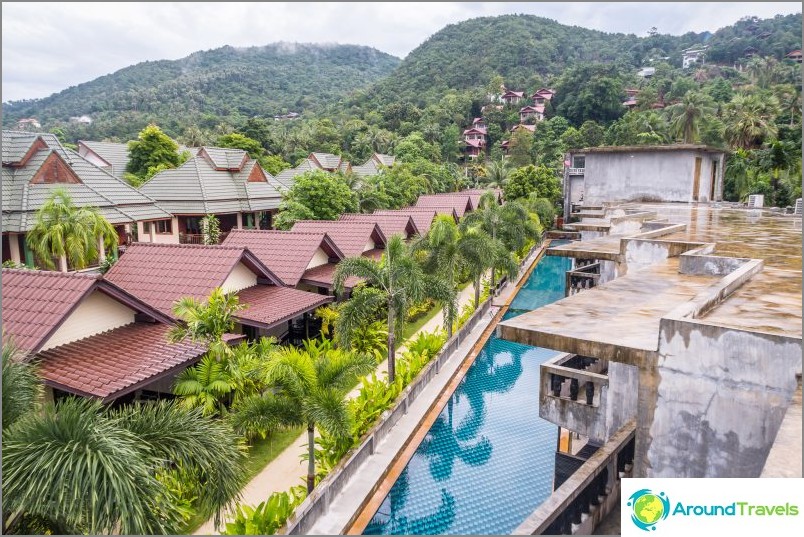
x,y
48,47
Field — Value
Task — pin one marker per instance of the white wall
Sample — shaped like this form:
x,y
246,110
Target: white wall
x,y
369,245
241,278
97,313
143,234
319,258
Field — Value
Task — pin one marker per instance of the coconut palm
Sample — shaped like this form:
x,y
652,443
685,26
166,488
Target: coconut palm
x,y
21,387
67,232
482,253
207,321
750,120
310,390
496,173
687,116
81,468
204,386
396,282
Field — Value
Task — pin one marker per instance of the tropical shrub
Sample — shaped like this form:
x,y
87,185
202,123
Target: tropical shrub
x,y
427,342
269,516
416,311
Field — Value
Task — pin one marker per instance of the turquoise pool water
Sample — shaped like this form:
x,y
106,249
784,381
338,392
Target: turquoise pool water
x,y
488,460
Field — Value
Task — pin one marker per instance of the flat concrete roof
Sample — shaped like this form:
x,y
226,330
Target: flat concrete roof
x,y
648,148
607,247
618,320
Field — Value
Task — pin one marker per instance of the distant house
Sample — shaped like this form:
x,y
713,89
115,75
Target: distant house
x,y
373,165
289,115
220,181
513,97
531,112
794,55
692,56
646,72
479,123
161,274
315,161
89,337
474,141
630,100
36,164
459,201
27,124
83,120
542,95
506,143
390,224
666,173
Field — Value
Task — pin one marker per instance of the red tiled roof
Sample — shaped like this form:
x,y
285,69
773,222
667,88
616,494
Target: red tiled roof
x,y
269,305
475,143
422,216
390,224
461,202
119,361
160,274
478,130
37,302
350,237
324,276
286,253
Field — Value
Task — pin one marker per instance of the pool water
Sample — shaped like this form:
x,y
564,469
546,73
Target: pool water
x,y
488,460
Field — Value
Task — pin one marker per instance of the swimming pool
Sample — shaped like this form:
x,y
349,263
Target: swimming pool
x,y
488,460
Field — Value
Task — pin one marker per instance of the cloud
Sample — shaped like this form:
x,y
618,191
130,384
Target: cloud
x,y
48,47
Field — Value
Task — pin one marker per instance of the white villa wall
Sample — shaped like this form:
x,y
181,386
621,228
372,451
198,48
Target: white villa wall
x,y
240,278
97,313
144,234
319,258
369,245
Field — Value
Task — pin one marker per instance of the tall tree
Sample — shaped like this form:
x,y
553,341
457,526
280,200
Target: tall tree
x,y
316,195
687,116
152,151
62,230
397,282
482,253
749,121
520,147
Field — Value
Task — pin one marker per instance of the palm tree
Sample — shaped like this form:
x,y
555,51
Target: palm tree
x,y
482,253
21,387
206,322
310,391
204,386
396,282
750,120
497,173
686,117
68,232
81,468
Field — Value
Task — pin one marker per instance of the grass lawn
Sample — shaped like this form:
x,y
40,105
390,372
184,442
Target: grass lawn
x,y
259,455
412,328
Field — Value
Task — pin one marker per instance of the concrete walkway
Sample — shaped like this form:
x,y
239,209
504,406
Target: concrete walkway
x,y
288,469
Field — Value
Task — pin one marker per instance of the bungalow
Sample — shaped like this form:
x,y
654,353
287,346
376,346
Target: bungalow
x,y
476,193
373,165
390,224
219,181
542,95
329,162
113,157
529,128
422,216
630,100
528,112
513,97
460,201
35,164
692,56
306,261
474,148
91,338
352,238
794,55
161,274
285,178
479,123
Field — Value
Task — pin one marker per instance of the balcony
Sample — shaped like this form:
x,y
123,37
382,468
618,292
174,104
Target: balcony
x,y
575,171
198,238
582,278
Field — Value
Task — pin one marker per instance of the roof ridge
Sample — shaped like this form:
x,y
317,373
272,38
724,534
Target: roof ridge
x,y
278,231
53,273
201,185
190,246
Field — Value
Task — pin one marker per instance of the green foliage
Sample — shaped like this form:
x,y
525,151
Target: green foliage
x,y
520,147
393,188
106,264
268,517
427,343
590,92
414,146
544,208
211,229
531,179
21,386
417,310
316,195
274,164
686,117
10,263
206,322
204,386
151,152
236,140
370,339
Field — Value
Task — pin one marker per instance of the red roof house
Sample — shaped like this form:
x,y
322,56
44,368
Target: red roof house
x,y
390,224
352,238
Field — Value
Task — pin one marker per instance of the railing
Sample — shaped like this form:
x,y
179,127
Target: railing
x,y
198,238
582,278
566,377
575,171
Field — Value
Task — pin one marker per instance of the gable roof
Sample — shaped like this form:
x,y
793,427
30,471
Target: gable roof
x,y
457,200
538,108
114,154
350,237
286,253
200,186
385,160
285,178
511,93
28,156
268,305
161,274
326,161
422,216
475,130
37,302
390,224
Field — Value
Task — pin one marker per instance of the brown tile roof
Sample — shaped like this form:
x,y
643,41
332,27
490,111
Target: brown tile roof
x,y
37,302
324,275
269,305
459,201
350,237
160,274
422,216
390,224
286,253
476,193
119,361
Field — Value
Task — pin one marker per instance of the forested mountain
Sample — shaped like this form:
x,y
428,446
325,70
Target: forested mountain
x,y
210,87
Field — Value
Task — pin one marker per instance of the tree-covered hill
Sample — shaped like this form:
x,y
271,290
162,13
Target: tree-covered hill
x,y
209,86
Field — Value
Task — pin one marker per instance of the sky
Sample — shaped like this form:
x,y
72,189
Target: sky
x,y
48,47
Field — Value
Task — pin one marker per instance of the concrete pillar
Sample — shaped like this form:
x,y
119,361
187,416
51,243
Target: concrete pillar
x,y
647,395
239,220
14,247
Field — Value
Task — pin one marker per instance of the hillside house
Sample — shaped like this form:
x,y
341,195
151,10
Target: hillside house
x,y
504,145
89,337
693,56
36,164
542,95
531,113
479,123
474,139
794,55
28,124
630,98
224,182
646,72
513,97
161,274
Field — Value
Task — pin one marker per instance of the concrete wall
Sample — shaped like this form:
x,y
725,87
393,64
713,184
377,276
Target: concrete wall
x,y
240,278
660,175
714,402
319,258
576,188
97,313
621,399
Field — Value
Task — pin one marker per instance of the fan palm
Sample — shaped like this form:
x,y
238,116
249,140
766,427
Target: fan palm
x,y
310,391
81,467
397,282
62,230
750,120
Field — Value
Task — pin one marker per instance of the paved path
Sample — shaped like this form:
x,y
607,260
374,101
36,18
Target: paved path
x,y
288,469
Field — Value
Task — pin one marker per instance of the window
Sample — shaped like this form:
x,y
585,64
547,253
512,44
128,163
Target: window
x,y
579,161
162,226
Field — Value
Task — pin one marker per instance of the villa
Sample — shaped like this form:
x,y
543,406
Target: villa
x,y
460,201
422,216
390,224
353,238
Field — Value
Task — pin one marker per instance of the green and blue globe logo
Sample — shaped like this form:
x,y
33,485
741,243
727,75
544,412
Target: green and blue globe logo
x,y
648,508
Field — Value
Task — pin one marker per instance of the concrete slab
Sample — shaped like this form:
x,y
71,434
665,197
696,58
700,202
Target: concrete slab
x,y
607,247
